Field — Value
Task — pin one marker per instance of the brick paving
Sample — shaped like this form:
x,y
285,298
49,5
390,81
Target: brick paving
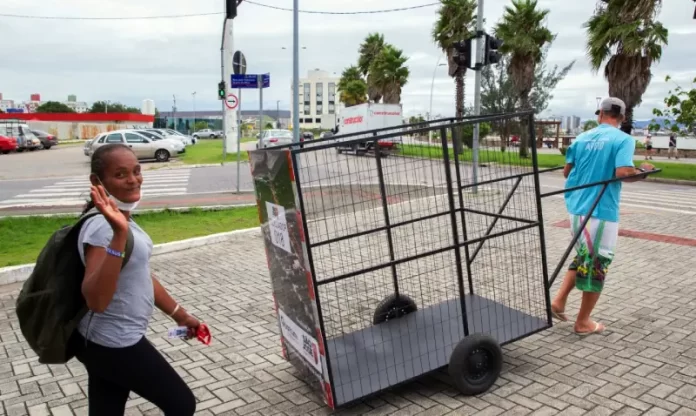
x,y
643,364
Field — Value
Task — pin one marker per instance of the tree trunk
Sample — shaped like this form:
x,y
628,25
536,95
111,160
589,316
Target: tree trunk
x,y
524,134
459,106
627,124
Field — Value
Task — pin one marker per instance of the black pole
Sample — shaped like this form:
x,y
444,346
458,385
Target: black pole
x,y
540,219
465,235
385,210
455,231
576,236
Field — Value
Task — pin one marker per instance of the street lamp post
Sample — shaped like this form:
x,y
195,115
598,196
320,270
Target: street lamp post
x,y
432,86
295,70
194,111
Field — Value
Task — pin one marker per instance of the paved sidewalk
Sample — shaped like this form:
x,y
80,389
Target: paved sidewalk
x,y
643,364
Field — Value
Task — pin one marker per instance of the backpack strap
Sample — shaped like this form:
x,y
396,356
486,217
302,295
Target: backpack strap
x,y
130,241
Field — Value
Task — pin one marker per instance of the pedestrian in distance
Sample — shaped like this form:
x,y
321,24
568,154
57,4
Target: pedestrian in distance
x,y
672,151
110,340
648,147
600,154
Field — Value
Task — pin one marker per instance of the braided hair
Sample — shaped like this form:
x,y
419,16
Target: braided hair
x,y
98,163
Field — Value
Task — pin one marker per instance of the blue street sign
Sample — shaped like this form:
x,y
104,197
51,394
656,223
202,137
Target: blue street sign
x,y
250,81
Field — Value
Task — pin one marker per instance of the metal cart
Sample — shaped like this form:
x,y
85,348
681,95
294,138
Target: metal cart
x,y
384,269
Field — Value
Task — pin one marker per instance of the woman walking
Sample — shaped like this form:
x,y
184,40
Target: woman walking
x,y
110,340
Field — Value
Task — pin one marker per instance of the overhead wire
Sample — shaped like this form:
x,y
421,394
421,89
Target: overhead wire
x,y
189,15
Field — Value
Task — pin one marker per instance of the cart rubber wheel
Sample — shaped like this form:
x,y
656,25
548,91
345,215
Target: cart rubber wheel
x,y
393,307
475,364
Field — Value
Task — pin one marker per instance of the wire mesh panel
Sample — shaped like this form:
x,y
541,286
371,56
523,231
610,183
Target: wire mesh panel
x,y
409,258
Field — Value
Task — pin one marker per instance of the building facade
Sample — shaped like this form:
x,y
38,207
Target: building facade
x,y
319,100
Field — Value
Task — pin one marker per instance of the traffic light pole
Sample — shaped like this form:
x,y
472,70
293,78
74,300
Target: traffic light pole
x,y
480,39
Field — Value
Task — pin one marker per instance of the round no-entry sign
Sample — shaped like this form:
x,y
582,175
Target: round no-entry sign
x,y
232,101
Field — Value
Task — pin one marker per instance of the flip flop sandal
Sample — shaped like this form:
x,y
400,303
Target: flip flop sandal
x,y
598,329
561,316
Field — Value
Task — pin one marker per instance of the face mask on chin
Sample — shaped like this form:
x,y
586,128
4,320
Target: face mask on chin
x,y
122,206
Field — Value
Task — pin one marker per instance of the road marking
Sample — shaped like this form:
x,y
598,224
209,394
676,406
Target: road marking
x,y
75,191
146,192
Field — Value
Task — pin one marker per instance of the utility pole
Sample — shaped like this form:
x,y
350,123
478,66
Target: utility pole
x,y
296,71
194,112
477,91
278,113
174,111
229,117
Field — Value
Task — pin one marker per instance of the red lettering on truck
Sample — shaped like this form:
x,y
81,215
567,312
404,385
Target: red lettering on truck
x,y
353,120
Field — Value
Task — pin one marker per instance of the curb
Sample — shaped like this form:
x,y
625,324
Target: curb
x,y
671,181
140,211
15,274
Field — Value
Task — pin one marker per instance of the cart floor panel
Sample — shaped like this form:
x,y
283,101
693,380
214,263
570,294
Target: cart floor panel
x,y
381,356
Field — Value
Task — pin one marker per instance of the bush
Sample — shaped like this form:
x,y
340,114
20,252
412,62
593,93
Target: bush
x,y
563,150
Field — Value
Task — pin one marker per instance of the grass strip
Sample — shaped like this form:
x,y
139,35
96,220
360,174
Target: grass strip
x,y
24,237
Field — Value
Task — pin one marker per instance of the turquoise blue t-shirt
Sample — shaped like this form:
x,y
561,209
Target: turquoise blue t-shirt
x,y
595,156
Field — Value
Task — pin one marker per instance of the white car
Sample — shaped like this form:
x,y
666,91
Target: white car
x,y
173,134
274,138
143,147
206,134
179,144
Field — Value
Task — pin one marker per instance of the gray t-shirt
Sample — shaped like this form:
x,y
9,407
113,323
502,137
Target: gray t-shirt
x,y
125,320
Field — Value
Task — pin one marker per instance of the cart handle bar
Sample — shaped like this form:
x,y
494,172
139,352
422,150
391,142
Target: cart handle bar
x,y
585,220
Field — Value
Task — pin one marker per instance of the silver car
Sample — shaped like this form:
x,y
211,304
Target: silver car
x,y
206,134
143,147
274,138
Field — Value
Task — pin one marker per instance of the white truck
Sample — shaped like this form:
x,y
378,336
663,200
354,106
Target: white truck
x,y
365,117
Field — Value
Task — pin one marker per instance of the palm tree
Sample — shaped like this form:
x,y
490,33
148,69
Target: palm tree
x,y
455,23
524,35
625,35
352,87
389,75
370,48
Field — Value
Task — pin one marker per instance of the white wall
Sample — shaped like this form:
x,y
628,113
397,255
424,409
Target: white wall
x,y
81,131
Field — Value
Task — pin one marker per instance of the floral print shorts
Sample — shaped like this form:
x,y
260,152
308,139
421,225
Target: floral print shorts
x,y
594,252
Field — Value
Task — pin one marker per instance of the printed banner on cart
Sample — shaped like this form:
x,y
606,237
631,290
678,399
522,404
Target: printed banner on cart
x,y
282,232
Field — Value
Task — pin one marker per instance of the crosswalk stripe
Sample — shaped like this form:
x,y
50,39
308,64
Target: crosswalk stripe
x,y
146,192
87,185
75,191
87,182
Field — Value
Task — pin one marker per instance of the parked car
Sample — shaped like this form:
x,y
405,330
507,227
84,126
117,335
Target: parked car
x,y
326,134
143,147
274,138
87,147
207,134
47,139
7,144
22,134
178,144
189,140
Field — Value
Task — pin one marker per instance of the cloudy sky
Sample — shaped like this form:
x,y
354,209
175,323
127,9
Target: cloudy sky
x,y
131,60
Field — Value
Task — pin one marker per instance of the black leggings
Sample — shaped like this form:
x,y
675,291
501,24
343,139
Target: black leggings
x,y
115,372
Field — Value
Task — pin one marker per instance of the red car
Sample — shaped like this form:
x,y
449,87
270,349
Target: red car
x,y
7,144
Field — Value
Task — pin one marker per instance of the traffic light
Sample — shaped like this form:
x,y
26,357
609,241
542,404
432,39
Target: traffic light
x,y
491,54
230,9
222,91
462,56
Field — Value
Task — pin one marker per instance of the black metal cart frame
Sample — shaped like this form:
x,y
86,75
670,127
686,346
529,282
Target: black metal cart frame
x,y
342,239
